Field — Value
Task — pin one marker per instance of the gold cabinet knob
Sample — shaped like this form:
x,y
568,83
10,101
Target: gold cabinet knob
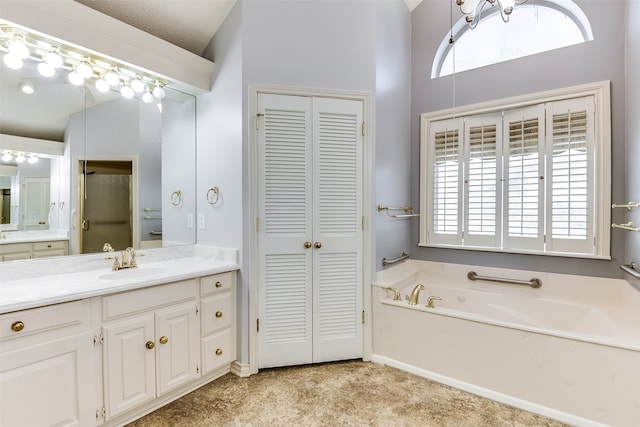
x,y
317,245
218,284
164,340
150,345
219,352
218,314
307,245
17,326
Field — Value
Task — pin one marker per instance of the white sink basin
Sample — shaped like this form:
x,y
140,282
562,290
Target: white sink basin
x,y
133,273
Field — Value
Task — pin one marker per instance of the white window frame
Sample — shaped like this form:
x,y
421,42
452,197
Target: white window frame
x,y
600,199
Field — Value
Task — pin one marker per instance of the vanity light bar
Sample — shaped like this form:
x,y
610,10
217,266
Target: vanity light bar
x,y
19,44
19,156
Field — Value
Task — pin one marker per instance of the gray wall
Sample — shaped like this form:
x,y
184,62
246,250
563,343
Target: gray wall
x,y
393,125
633,126
345,45
600,59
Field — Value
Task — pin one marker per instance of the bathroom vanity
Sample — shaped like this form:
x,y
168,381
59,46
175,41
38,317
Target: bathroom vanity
x,y
17,245
84,345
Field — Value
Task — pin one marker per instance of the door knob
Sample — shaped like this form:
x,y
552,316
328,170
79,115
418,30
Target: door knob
x,y
317,245
150,345
164,340
307,245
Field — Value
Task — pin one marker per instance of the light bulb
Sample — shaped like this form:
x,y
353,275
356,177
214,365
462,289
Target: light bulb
x,y
53,58
18,47
20,158
137,85
75,78
126,91
147,97
33,159
85,70
112,78
47,70
6,157
12,61
158,91
102,85
27,88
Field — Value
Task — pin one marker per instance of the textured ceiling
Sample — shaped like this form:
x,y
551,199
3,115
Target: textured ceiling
x,y
189,24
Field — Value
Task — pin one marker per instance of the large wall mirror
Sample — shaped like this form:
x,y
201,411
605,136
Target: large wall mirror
x,y
101,158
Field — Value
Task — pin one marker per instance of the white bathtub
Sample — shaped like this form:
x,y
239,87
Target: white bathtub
x,y
569,350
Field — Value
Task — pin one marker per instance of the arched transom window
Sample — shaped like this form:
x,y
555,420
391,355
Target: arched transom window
x,y
533,27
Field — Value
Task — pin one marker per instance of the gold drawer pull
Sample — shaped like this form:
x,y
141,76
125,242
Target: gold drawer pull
x,y
219,352
164,340
218,284
150,345
17,326
218,314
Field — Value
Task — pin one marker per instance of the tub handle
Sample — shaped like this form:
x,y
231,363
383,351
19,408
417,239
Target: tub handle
x,y
534,282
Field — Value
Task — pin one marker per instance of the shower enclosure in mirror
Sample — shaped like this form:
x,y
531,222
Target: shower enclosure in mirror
x,y
152,128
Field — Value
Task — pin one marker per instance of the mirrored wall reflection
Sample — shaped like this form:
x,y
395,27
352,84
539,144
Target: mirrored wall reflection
x,y
155,136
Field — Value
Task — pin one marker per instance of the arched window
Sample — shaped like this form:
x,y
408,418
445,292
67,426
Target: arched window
x,y
538,27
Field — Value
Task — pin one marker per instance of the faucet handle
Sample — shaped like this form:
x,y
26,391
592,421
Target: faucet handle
x,y
116,264
396,293
107,247
430,301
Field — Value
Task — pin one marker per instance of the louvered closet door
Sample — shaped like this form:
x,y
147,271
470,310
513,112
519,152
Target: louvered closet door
x,y
337,226
310,193
285,212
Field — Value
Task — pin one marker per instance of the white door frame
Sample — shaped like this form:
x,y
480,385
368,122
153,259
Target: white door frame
x,y
367,204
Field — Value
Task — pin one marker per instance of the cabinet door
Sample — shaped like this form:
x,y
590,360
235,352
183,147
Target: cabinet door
x,y
178,339
129,364
49,384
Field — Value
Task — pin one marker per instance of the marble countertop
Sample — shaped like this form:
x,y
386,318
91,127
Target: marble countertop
x,y
34,283
32,236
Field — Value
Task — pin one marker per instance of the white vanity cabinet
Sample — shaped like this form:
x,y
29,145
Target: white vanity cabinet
x,y
151,344
46,366
32,250
218,314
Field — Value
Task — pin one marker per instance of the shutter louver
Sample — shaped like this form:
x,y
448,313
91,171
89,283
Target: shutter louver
x,y
337,178
337,292
482,194
285,299
523,189
569,191
285,172
446,182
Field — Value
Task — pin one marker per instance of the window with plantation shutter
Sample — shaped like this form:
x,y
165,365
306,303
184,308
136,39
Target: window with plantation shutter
x,y
524,177
445,182
482,196
570,187
529,176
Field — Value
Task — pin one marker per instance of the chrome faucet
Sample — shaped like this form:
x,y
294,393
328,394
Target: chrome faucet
x,y
396,293
430,301
415,294
128,260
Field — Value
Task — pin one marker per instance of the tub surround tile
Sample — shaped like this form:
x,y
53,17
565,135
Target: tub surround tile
x,y
33,283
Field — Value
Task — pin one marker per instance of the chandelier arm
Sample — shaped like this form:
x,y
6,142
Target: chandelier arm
x,y
503,15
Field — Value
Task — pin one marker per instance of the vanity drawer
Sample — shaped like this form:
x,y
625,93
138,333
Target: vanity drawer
x,y
9,248
217,351
216,313
42,319
137,301
216,283
47,246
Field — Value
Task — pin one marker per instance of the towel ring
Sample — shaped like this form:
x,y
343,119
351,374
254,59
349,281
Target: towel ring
x,y
176,198
216,191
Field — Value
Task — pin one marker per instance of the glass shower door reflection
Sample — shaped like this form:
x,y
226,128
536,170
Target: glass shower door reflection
x,y
106,206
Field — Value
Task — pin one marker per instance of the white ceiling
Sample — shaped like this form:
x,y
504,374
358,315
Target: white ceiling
x,y
189,24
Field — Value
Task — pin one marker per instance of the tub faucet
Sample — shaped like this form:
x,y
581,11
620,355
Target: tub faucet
x,y
430,301
415,294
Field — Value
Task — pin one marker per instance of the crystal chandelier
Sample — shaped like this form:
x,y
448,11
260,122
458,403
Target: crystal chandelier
x,y
472,9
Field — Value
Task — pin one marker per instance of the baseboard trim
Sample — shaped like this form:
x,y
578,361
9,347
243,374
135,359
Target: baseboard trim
x,y
241,369
489,394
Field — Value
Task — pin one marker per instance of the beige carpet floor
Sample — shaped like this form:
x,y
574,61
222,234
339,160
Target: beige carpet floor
x,y
352,393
